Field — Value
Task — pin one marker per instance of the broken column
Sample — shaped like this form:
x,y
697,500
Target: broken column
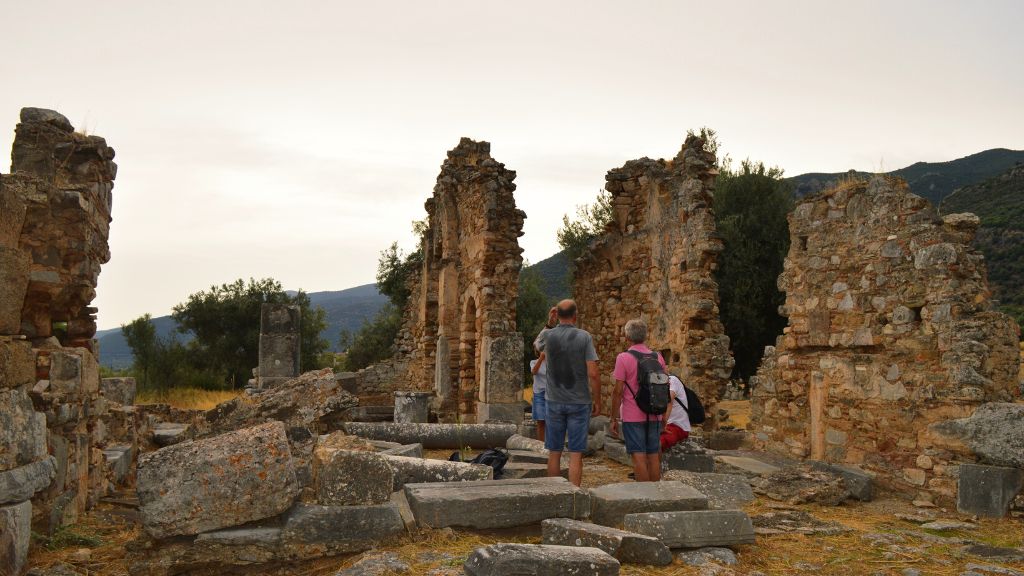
x,y
279,343
655,261
890,330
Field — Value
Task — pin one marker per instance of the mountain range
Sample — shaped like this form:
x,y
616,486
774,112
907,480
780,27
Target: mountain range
x,y
989,183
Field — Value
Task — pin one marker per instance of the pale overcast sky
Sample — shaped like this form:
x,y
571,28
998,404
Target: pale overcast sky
x,y
296,140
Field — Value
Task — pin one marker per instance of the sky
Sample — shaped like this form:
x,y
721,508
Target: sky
x,y
296,140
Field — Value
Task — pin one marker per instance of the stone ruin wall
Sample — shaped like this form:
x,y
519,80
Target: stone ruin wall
x,y
655,261
890,330
458,336
66,438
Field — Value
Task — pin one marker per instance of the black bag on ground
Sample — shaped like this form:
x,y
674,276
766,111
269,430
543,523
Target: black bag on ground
x,y
496,458
652,394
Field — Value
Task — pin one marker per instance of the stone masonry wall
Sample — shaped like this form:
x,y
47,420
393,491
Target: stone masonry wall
x,y
461,316
890,329
62,442
655,261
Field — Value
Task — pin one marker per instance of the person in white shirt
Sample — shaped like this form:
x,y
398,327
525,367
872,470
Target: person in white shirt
x,y
677,421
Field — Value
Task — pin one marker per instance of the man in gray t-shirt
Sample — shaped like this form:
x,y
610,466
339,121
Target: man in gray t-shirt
x,y
573,390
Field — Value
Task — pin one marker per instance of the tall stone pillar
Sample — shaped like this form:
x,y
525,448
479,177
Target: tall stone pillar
x,y
503,380
279,343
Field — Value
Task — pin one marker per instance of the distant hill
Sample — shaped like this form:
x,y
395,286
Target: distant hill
x,y
931,180
999,202
554,280
346,310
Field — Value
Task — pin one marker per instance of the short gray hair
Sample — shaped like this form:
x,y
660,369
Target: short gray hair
x,y
636,331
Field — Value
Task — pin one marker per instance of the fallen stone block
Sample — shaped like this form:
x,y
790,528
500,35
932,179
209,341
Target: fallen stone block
x,y
222,481
857,481
453,436
996,553
539,559
342,528
119,463
743,465
527,457
517,442
616,451
694,529
496,503
410,450
627,547
724,491
369,413
992,432
599,424
15,535
120,390
986,569
169,433
611,502
688,461
412,406
404,510
987,490
350,477
595,442
23,482
515,470
408,470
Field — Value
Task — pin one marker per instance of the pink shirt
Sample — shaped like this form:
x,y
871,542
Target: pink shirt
x,y
625,370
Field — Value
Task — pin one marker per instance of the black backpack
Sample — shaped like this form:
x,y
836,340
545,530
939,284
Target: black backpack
x,y
694,408
493,457
652,395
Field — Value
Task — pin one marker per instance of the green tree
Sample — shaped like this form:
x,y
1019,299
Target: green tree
x,y
394,269
751,205
374,342
140,335
225,323
532,307
591,219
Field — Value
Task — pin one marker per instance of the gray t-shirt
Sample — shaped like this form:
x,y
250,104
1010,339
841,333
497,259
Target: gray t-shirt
x,y
568,349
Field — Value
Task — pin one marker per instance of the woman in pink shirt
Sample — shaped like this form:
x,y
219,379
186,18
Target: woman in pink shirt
x,y
640,431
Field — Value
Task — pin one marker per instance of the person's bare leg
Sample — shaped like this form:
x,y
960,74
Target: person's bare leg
x,y
540,430
554,463
575,467
640,466
654,467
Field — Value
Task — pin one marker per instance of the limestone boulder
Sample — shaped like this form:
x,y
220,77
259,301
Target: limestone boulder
x,y
993,432
351,477
227,480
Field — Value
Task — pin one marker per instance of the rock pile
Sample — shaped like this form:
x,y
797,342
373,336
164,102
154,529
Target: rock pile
x,y
655,261
890,330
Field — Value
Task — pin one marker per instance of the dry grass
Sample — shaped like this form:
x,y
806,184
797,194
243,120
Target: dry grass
x,y
186,398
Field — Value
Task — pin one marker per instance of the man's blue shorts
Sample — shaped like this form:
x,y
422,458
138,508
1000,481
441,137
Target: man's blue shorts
x,y
642,437
571,419
540,406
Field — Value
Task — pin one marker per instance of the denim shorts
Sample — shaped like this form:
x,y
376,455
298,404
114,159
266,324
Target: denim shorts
x,y
540,406
571,419
641,437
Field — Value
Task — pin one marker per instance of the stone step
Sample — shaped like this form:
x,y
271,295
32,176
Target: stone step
x,y
626,547
694,529
611,502
540,559
724,491
455,436
496,503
